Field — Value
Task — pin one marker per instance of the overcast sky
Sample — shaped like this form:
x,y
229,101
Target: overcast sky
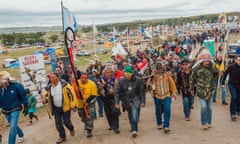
x,y
48,12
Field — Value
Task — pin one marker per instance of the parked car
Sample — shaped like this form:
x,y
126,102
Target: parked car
x,y
7,62
83,53
101,50
3,51
232,49
101,41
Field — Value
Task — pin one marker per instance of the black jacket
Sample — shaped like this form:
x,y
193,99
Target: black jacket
x,y
130,92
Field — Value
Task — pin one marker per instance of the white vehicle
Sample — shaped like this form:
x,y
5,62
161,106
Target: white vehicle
x,y
83,53
7,62
232,49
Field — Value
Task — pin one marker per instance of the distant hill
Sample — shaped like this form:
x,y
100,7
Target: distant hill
x,y
122,25
30,29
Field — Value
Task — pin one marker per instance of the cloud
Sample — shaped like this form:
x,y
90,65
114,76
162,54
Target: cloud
x,y
48,12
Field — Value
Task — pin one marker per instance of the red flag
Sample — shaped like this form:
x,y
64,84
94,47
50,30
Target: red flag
x,y
71,55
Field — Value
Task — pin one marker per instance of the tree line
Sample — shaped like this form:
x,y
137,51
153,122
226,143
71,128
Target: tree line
x,y
40,37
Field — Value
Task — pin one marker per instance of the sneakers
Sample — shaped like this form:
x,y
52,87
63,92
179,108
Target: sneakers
x,y
60,140
166,130
117,131
187,119
234,117
205,127
134,134
224,103
159,127
20,139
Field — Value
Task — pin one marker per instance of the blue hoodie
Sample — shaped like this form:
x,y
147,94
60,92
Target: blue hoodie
x,y
14,96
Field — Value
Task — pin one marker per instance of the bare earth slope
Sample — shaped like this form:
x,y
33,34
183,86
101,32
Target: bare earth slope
x,y
223,130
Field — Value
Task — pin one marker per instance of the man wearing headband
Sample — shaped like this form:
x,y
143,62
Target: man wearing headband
x,y
202,84
234,87
89,93
13,98
130,91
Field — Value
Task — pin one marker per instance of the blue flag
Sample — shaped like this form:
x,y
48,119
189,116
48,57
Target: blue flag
x,y
69,19
142,30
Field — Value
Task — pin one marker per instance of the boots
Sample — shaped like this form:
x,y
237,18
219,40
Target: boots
x,y
89,133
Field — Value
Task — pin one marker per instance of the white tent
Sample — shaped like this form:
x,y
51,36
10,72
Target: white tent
x,y
147,34
118,49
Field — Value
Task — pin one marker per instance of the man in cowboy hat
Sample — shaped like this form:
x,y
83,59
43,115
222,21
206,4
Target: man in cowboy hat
x,y
13,98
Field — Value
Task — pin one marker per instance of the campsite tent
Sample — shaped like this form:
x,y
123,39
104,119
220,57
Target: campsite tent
x,y
118,49
147,34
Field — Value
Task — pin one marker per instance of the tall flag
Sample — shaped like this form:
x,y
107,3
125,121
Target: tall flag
x,y
69,19
94,28
94,39
128,39
115,31
127,31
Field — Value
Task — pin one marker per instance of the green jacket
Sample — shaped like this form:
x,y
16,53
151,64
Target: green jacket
x,y
202,81
32,101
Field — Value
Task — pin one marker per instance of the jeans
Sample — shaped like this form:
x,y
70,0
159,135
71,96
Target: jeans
x,y
206,111
100,107
187,104
133,116
224,94
14,130
235,99
167,110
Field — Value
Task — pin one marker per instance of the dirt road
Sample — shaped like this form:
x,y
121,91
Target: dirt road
x,y
223,130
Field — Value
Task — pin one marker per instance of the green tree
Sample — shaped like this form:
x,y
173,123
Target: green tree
x,y
54,38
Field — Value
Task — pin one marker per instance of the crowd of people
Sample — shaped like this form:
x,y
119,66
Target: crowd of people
x,y
121,84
